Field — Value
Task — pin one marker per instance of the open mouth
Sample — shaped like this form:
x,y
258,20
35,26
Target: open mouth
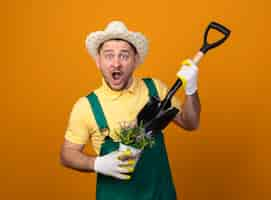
x,y
116,75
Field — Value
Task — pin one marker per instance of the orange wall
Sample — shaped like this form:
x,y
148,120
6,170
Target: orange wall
x,y
45,68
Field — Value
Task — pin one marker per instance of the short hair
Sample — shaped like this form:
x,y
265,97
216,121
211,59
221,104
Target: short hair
x,y
118,39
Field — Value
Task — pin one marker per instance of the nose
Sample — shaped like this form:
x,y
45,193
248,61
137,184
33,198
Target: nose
x,y
116,62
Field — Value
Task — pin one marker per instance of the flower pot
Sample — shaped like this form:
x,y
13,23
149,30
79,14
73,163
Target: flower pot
x,y
135,152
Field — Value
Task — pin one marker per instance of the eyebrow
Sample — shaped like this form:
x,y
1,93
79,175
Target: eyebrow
x,y
125,51
107,50
111,50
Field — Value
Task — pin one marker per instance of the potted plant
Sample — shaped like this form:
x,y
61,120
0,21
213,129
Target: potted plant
x,y
133,138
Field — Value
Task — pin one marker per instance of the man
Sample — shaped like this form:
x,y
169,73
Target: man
x,y
117,53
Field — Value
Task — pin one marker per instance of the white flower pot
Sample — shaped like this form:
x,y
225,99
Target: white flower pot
x,y
135,152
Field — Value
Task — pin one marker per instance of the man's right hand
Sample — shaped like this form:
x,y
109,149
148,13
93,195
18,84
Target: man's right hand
x,y
115,164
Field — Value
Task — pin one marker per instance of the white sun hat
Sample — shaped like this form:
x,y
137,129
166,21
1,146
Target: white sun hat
x,y
117,30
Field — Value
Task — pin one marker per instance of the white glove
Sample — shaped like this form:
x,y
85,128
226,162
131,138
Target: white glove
x,y
111,165
189,76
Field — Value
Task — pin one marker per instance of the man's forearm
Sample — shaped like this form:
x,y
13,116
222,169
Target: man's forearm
x,y
77,160
191,111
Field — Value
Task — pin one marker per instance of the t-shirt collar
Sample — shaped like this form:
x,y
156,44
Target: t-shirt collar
x,y
113,94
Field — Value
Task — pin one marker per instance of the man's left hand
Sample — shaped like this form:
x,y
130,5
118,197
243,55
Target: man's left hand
x,y
189,76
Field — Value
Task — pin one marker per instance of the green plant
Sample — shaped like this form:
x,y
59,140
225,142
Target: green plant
x,y
134,136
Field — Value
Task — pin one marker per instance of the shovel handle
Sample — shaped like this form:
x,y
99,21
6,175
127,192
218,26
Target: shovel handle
x,y
199,55
218,27
207,46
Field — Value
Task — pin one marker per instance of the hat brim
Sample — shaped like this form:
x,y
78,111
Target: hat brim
x,y
95,39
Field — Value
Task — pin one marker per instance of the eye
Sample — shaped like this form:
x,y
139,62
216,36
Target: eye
x,y
124,56
109,56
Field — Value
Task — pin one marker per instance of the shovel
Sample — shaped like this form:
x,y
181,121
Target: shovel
x,y
157,114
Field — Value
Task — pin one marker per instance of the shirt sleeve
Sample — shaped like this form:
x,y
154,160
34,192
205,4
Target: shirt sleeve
x,y
78,130
162,90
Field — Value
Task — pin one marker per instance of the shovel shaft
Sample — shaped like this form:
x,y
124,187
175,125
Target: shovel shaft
x,y
198,57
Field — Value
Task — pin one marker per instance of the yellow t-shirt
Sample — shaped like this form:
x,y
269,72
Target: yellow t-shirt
x,y
118,107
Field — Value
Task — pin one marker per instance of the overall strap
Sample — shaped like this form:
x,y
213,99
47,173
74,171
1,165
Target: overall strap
x,y
97,111
151,87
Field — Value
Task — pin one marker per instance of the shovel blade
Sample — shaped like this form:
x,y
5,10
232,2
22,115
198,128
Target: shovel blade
x,y
149,111
161,120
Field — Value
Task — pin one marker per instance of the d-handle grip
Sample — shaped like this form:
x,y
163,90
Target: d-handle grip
x,y
222,29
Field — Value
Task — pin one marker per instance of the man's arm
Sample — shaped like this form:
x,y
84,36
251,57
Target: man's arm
x,y
72,156
189,118
116,164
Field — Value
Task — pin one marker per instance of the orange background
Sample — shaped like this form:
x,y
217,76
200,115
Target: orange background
x,y
45,68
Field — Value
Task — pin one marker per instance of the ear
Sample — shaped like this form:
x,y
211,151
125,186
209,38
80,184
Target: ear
x,y
97,60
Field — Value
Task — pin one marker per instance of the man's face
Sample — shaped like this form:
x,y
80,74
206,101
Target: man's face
x,y
117,62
